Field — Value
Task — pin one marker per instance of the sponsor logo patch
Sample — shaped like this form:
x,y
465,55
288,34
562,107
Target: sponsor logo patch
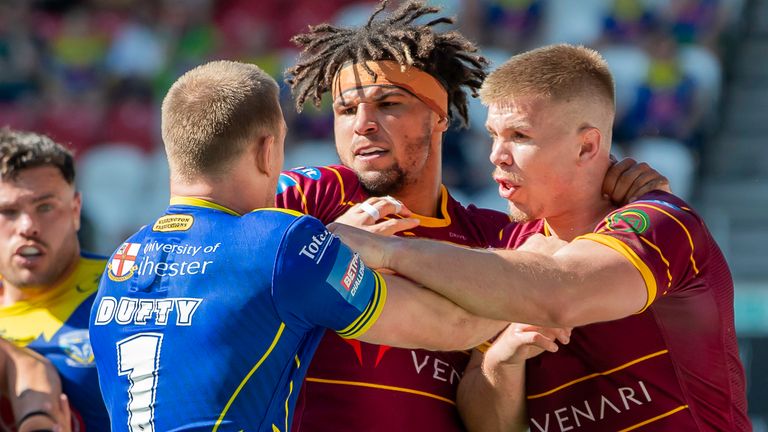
x,y
122,267
353,270
637,220
175,222
308,172
315,249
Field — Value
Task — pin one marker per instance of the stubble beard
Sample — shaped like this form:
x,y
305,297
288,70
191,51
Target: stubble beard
x,y
518,215
22,278
393,180
380,183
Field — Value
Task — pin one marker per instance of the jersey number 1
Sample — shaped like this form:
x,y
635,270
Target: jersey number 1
x,y
138,357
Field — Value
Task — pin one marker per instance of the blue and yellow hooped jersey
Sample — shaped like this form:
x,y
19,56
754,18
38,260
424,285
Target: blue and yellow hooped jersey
x,y
56,326
207,320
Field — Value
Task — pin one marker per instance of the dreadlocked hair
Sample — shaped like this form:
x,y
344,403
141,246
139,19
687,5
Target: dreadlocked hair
x,y
449,56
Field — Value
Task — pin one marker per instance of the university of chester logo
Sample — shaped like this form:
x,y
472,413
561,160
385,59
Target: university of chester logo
x,y
122,267
637,220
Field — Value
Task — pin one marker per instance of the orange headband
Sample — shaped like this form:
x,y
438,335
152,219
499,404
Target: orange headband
x,y
421,84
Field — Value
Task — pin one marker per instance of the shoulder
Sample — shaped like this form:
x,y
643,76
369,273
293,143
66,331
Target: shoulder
x,y
653,212
316,175
91,268
278,220
324,192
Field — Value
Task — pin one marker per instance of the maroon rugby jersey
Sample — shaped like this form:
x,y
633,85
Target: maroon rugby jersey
x,y
356,386
672,367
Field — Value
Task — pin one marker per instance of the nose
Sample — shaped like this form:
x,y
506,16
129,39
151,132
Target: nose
x,y
28,225
365,119
500,154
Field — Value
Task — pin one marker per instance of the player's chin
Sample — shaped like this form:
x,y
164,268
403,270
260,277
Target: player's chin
x,y
519,214
379,183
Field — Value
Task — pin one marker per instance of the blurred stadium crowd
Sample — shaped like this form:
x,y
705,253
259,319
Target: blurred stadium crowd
x,y
91,73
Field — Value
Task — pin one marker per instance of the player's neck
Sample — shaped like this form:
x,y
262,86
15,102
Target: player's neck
x,y
239,196
422,193
422,197
580,218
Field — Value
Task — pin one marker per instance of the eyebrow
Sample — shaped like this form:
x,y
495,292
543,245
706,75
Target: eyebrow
x,y
390,91
517,124
45,197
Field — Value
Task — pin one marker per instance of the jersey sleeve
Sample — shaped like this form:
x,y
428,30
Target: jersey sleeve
x,y
664,240
322,192
319,281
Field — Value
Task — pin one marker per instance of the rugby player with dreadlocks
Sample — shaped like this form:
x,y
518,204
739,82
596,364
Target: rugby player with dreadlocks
x,y
395,85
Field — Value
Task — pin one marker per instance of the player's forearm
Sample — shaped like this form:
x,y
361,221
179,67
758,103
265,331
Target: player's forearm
x,y
502,285
493,400
415,317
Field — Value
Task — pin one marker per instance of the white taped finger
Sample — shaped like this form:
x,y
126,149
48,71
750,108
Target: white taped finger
x,y
398,205
371,211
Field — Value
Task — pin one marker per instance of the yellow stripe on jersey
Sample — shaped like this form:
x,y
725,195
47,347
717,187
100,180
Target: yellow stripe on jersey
x,y
658,417
303,196
663,258
288,398
483,347
280,210
25,321
437,222
248,376
381,387
687,233
597,374
199,202
343,199
627,252
370,314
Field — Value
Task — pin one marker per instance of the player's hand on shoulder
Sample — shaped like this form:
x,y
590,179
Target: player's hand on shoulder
x,y
519,342
627,180
545,245
381,215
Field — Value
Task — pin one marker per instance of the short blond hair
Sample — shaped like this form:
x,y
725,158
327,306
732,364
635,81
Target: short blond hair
x,y
212,112
557,72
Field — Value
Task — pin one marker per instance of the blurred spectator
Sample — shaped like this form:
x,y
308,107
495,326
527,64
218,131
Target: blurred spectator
x,y
78,50
628,21
661,126
696,21
19,52
666,102
511,24
138,38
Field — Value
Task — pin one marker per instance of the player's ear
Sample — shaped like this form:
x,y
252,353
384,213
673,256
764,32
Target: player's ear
x,y
264,152
443,123
590,143
77,205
